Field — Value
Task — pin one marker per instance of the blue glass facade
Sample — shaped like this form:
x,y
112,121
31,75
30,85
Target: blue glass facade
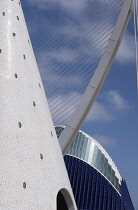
x,y
89,150
95,180
92,191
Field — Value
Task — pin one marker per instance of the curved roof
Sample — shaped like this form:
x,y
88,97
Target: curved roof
x,y
88,149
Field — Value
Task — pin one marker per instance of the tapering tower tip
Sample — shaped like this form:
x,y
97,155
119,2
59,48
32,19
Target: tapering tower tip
x,y
32,170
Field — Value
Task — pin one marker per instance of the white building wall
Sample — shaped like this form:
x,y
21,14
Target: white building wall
x,y
32,170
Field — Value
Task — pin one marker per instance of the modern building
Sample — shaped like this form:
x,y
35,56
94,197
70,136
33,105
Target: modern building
x,y
95,179
32,170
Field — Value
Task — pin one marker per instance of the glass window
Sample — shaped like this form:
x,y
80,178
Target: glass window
x,y
94,159
91,152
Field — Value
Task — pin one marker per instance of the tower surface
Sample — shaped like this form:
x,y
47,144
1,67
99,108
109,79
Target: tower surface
x,y
32,170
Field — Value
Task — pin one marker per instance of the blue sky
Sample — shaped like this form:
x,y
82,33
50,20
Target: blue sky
x,y
113,120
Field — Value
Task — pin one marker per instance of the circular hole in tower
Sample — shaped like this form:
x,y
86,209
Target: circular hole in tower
x,y
15,75
41,156
14,34
19,124
24,185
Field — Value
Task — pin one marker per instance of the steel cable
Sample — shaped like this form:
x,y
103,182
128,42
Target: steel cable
x,y
52,39
90,31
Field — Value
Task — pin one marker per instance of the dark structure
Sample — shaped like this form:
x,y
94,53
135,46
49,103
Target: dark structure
x,y
61,203
92,191
95,180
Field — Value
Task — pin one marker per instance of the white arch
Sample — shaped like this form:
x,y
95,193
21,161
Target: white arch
x,y
98,78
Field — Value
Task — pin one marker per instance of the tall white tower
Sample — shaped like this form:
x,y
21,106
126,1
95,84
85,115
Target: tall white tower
x,y
32,171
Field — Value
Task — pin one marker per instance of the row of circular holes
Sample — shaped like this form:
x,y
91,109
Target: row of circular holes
x,y
17,75
5,14
23,55
19,124
19,2
24,183
41,155
14,34
24,58
17,19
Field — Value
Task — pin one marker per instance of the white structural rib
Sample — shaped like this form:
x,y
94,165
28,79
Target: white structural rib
x,y
98,78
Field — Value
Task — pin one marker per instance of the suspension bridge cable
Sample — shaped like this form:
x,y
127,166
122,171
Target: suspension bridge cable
x,y
85,44
58,43
90,35
83,65
55,37
81,56
82,50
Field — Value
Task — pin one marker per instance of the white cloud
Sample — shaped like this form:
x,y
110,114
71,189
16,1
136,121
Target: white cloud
x,y
126,52
54,80
105,140
91,32
63,106
71,4
117,101
105,111
99,112
55,77
62,55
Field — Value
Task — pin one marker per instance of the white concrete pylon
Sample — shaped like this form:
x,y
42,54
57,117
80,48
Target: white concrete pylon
x,y
32,170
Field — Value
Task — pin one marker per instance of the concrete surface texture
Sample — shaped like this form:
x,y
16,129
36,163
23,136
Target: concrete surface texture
x,y
32,171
